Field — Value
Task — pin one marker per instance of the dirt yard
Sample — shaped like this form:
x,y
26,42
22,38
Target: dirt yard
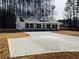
x,y
67,32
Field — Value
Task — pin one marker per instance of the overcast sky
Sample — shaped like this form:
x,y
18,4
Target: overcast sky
x,y
59,10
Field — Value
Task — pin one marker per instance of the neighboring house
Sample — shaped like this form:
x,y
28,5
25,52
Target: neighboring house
x,y
37,25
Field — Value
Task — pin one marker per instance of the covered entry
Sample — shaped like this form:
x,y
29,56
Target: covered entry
x,y
7,19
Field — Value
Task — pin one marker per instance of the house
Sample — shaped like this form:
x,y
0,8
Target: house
x,y
37,24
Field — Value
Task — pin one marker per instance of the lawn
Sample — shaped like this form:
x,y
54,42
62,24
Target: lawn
x,y
67,32
13,35
17,35
3,36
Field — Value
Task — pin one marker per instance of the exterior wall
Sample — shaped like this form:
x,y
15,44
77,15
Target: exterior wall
x,y
21,26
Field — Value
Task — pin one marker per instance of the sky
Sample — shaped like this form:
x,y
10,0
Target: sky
x,y
59,9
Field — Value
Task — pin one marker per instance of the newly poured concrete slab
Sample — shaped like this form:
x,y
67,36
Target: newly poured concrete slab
x,y
42,42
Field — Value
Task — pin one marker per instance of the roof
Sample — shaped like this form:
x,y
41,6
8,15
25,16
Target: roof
x,y
38,21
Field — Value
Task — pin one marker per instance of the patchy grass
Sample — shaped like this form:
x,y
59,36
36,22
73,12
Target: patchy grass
x,y
13,35
67,32
17,35
3,36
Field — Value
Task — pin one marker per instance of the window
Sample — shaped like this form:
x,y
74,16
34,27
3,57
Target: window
x,y
27,25
48,26
21,20
31,25
56,26
52,25
38,25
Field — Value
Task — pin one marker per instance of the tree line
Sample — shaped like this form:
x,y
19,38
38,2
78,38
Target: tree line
x,y
36,8
72,13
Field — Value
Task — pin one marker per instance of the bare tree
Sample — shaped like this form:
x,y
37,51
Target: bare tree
x,y
72,10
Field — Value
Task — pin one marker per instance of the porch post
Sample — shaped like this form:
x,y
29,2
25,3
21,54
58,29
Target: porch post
x,y
29,26
58,26
42,26
51,26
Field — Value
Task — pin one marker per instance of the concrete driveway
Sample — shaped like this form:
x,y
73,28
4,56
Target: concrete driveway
x,y
42,42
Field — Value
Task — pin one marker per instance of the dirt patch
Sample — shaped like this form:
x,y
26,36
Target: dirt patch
x,y
66,32
60,55
4,50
